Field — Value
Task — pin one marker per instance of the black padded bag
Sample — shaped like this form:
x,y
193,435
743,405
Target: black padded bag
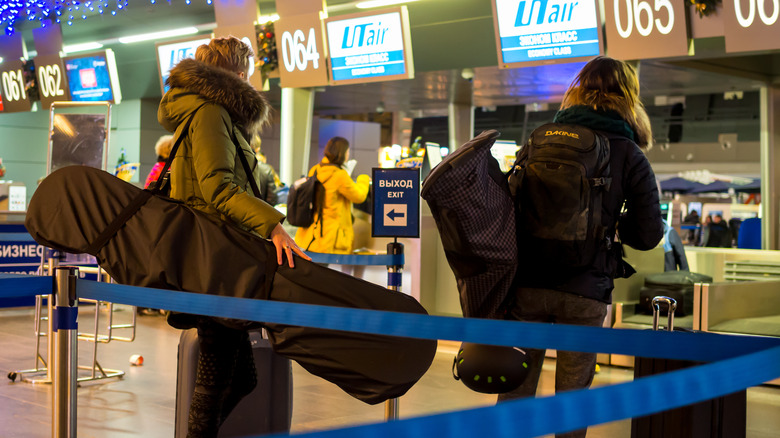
x,y
470,202
161,243
673,284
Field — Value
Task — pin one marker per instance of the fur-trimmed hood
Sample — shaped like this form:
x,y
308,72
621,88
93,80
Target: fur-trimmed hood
x,y
246,106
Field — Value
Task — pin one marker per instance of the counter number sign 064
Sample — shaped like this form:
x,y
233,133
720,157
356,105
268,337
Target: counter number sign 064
x,y
298,50
50,80
13,85
636,10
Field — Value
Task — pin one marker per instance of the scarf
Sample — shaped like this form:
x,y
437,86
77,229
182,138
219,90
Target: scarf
x,y
599,120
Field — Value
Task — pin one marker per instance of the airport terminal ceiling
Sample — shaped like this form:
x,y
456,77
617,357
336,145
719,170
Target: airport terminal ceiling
x,y
447,37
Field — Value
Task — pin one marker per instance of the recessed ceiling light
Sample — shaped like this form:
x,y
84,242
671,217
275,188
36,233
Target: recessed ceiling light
x,y
380,3
83,47
158,35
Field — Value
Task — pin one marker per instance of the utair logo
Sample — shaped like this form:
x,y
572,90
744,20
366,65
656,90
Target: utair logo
x,y
564,133
557,13
368,34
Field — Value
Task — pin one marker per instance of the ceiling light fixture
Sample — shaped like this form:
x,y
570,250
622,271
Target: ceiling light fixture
x,y
158,35
267,18
83,47
380,3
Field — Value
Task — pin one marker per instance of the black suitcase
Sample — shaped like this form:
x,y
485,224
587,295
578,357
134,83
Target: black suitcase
x,y
673,284
723,417
268,409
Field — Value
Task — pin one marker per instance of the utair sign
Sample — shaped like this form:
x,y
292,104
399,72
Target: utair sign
x,y
542,31
369,47
396,206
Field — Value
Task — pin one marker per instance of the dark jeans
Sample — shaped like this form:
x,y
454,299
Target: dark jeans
x,y
573,370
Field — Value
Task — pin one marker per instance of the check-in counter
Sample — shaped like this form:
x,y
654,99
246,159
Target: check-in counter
x,y
748,308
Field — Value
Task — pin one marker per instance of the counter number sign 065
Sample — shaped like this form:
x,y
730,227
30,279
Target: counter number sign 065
x,y
50,80
13,85
298,50
636,10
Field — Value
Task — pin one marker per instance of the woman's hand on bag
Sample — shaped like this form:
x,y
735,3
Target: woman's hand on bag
x,y
284,243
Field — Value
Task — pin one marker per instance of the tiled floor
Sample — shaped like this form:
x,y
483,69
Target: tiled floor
x,y
141,404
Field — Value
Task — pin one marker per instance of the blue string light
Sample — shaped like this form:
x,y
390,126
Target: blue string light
x,y
12,11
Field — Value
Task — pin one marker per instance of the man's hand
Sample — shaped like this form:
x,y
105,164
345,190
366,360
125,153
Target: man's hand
x,y
283,242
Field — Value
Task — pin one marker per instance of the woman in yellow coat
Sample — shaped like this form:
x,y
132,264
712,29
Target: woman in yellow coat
x,y
333,234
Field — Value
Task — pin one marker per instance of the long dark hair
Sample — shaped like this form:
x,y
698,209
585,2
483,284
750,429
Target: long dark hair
x,y
336,150
609,84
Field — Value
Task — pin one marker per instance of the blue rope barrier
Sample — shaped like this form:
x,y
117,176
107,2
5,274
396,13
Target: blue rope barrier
x,y
16,285
528,417
532,417
357,259
647,343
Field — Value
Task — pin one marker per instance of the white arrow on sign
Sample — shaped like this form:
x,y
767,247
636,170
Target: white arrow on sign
x,y
395,215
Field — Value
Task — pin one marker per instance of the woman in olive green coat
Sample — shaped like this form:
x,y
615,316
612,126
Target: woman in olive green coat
x,y
207,175
334,234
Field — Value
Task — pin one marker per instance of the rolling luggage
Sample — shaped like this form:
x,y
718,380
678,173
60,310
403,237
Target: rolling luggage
x,y
723,417
267,409
673,284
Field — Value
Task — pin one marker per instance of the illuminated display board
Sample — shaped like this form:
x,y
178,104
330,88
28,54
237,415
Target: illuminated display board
x,y
14,87
93,77
370,47
169,54
543,31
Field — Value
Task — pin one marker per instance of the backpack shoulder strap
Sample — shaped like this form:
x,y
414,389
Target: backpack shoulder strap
x,y
161,177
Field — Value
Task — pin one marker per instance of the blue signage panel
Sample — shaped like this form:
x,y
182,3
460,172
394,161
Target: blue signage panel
x,y
369,47
546,30
396,209
19,253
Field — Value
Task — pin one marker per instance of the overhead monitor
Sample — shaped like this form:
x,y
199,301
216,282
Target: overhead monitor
x,y
534,32
93,77
370,46
169,53
504,151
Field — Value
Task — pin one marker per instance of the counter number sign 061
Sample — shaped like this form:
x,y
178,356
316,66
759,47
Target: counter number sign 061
x,y
50,80
298,50
13,85
636,10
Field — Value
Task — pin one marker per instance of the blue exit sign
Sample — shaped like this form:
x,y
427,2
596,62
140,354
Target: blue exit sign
x,y
396,208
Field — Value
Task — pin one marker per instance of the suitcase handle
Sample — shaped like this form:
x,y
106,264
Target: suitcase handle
x,y
671,305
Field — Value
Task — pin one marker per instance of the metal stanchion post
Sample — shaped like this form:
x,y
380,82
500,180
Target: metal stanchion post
x,y
394,281
65,360
52,263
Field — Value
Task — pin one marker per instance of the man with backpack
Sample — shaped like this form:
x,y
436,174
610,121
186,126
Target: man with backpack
x,y
581,185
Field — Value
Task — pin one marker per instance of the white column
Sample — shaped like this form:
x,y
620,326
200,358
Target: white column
x,y
295,137
770,167
460,122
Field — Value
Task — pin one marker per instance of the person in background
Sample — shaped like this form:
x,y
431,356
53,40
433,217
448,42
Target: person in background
x,y
719,235
674,251
163,149
207,175
269,181
692,218
705,230
333,233
605,97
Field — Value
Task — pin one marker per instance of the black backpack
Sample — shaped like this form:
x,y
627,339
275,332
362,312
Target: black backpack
x,y
304,199
557,183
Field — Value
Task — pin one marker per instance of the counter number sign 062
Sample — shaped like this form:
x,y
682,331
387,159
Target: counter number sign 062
x,y
636,10
13,85
298,50
50,80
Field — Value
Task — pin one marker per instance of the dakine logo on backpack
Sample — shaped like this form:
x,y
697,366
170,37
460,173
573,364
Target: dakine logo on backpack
x,y
558,183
